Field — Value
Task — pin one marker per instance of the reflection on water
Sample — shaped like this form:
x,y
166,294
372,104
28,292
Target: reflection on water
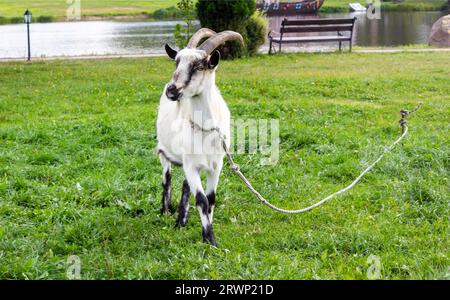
x,y
86,38
396,29
393,29
108,37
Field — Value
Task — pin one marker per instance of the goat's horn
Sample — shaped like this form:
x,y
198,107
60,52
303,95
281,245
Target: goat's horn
x,y
199,35
218,39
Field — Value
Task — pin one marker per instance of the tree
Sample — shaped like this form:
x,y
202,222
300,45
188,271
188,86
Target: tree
x,y
220,15
224,14
182,33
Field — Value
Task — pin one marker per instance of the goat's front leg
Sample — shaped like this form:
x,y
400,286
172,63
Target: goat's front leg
x,y
211,186
166,185
195,184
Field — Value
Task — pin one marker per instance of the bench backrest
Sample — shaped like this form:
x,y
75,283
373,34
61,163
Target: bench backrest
x,y
317,25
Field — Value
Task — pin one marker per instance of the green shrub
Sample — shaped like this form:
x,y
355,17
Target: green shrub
x,y
334,9
180,36
257,28
446,6
3,20
45,19
183,34
16,20
167,13
220,15
224,14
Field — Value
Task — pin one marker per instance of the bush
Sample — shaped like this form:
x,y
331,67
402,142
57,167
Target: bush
x,y
224,14
257,28
167,13
45,19
237,15
183,34
16,20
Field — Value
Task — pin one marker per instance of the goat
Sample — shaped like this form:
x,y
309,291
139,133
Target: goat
x,y
190,106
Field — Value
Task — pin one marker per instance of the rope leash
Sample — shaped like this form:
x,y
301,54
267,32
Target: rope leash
x,y
237,170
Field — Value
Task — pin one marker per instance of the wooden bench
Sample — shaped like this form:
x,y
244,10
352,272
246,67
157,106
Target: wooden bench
x,y
314,26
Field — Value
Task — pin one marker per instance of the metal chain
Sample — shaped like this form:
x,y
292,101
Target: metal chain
x,y
237,170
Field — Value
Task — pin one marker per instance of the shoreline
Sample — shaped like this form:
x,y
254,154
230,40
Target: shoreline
x,y
82,57
151,17
51,19
131,55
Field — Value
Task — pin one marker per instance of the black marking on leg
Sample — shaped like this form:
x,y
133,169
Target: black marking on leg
x,y
184,209
211,201
166,194
208,235
202,201
207,231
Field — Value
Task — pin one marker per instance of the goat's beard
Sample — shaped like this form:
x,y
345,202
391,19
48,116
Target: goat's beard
x,y
190,94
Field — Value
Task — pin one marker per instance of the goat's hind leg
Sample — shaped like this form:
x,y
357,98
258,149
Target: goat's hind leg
x,y
166,207
184,205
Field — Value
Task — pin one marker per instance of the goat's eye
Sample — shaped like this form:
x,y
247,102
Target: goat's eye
x,y
200,68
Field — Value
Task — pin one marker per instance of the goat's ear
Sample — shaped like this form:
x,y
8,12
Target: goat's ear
x,y
171,52
214,60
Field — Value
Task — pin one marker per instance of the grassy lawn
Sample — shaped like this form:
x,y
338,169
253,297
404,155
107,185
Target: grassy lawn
x,y
405,5
57,8
79,176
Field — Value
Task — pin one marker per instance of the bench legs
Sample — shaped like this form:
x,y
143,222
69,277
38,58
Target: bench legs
x,y
350,46
272,48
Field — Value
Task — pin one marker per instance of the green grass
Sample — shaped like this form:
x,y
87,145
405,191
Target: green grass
x,y
79,175
402,47
12,10
58,8
405,5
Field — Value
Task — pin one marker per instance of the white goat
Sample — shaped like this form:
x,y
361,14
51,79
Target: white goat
x,y
190,106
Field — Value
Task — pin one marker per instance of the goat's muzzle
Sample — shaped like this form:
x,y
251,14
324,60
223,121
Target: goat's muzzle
x,y
173,93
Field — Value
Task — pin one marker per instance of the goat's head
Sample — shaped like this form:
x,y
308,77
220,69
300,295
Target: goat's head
x,y
196,65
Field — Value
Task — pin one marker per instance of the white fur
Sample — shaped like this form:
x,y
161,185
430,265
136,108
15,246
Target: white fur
x,y
176,136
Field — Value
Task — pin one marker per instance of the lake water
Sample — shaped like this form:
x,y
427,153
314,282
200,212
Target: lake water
x,y
112,37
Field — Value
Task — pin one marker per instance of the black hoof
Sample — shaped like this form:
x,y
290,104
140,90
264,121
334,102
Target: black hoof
x,y
167,210
138,213
211,242
180,223
208,237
